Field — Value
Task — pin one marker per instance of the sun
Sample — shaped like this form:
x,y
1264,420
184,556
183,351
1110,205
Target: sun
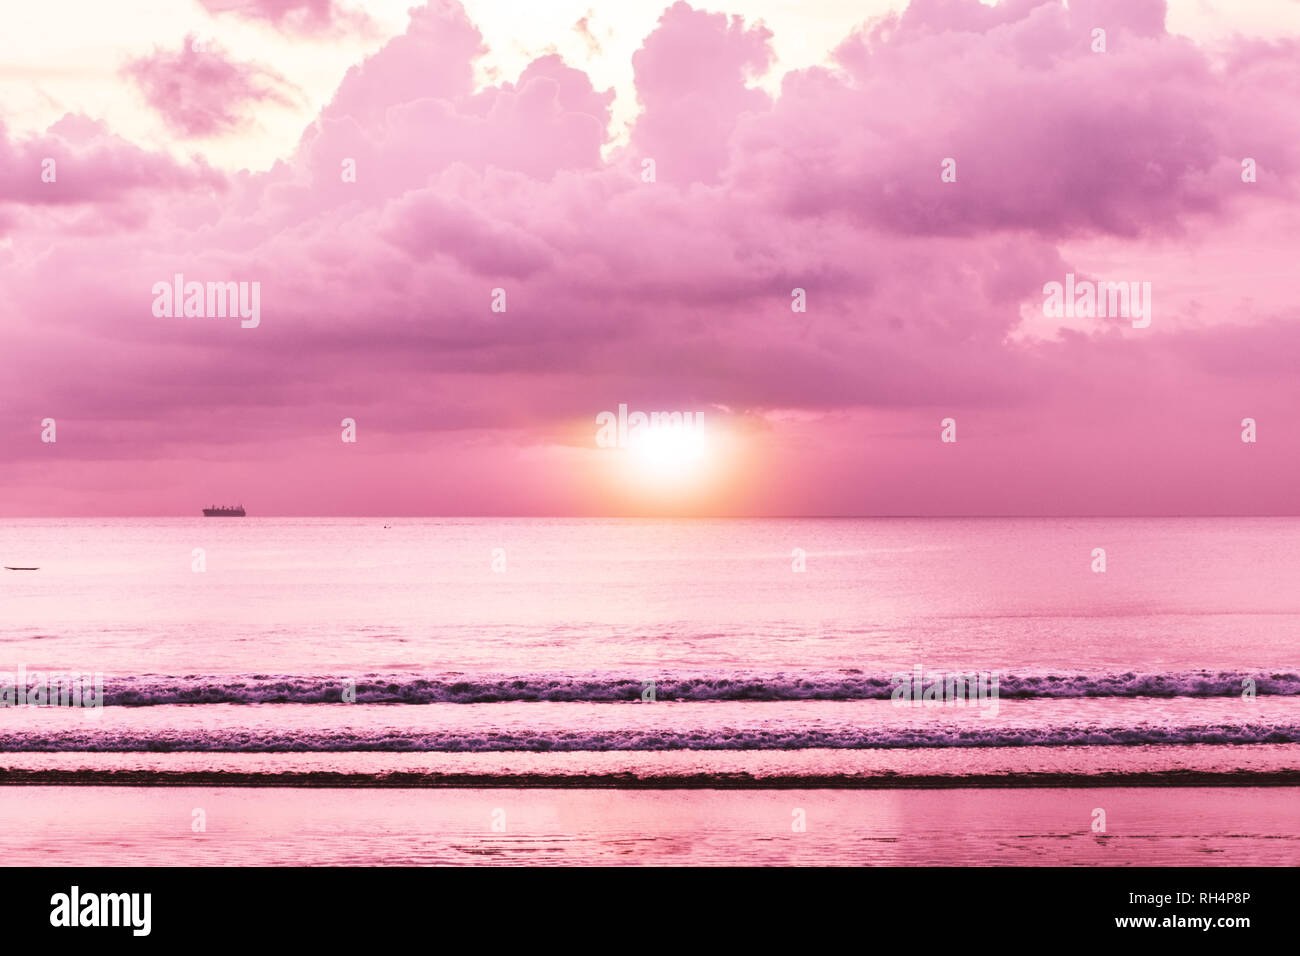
x,y
669,455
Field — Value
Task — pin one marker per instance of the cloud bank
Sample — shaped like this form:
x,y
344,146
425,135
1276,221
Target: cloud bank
x,y
379,242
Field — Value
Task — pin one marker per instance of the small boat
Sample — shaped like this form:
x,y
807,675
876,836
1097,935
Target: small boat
x,y
7,568
223,511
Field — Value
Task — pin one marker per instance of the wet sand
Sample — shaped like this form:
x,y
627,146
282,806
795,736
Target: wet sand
x,y
1053,826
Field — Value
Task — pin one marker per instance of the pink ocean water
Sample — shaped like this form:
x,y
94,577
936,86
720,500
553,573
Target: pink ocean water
x,y
530,666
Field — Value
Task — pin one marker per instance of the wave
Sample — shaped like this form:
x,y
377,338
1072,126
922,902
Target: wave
x,y
560,741
143,691
703,779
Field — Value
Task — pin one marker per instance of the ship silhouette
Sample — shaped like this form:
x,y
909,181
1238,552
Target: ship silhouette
x,y
224,511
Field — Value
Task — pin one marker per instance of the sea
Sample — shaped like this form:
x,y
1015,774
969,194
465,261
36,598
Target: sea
x,y
1066,691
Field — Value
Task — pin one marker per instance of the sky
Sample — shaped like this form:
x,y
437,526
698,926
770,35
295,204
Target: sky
x,y
826,231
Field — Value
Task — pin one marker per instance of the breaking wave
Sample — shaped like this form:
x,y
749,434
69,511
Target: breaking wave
x,y
846,685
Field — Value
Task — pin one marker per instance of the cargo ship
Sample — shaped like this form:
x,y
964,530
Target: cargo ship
x,y
223,512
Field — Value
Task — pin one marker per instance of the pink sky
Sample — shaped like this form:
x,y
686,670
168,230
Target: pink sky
x,y
924,297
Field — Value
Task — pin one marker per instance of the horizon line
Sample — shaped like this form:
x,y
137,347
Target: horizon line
x,y
689,517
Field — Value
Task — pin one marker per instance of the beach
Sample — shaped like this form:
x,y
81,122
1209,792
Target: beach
x,y
271,826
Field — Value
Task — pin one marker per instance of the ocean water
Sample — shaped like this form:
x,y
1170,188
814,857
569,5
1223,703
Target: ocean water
x,y
684,656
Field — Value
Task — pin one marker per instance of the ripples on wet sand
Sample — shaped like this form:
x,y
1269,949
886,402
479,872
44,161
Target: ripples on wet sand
x,y
112,826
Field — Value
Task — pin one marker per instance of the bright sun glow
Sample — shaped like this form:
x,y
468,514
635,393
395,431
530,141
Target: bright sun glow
x,y
669,454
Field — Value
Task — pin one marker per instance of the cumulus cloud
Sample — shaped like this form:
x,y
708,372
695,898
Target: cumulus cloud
x,y
89,164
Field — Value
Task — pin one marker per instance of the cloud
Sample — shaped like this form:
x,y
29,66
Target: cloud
x,y
200,92
583,29
1046,134
293,16
692,76
78,163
